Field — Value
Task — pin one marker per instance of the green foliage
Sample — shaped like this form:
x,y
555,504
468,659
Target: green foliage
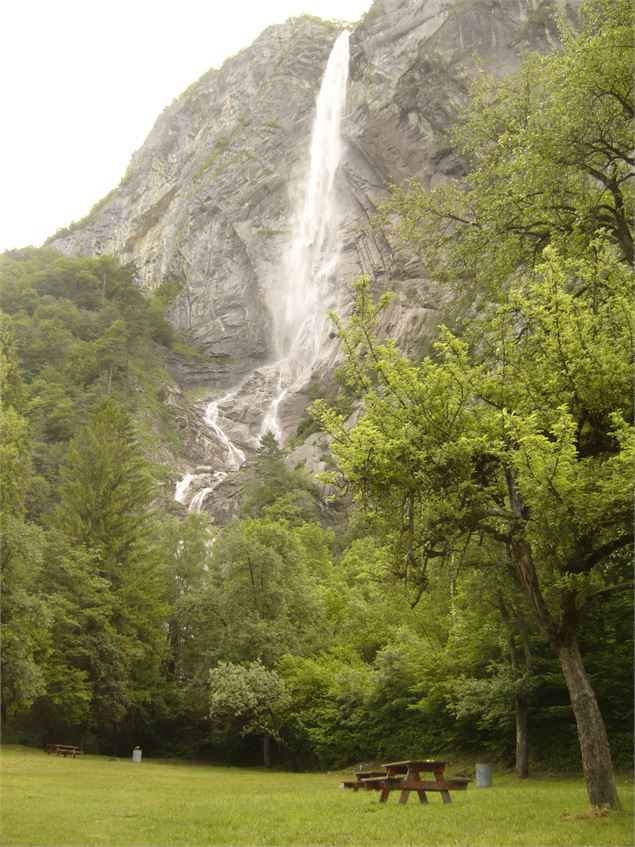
x,y
185,549
328,714
267,596
268,480
15,448
162,298
251,694
168,291
81,329
25,614
105,489
549,162
532,408
81,603
186,350
103,510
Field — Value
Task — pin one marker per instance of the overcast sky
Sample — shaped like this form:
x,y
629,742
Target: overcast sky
x,y
83,82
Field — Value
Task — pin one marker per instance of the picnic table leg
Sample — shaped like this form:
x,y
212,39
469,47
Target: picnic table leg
x,y
413,776
445,795
384,795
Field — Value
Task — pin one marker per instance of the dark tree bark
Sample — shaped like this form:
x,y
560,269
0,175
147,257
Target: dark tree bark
x,y
522,737
114,736
594,745
521,703
266,750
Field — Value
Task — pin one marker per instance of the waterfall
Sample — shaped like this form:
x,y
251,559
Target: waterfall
x,y
307,287
205,474
196,503
182,487
234,454
234,459
199,497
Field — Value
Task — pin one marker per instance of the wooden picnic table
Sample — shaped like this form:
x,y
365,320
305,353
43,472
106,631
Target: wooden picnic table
x,y
406,777
63,750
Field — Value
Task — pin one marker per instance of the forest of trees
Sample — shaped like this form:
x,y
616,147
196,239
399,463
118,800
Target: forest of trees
x,y
470,593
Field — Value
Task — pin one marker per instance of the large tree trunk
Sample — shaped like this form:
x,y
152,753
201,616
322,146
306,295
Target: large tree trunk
x,y
522,738
594,745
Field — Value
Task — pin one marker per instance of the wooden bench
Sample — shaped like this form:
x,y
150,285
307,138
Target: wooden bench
x,y
398,769
380,781
421,786
356,783
385,784
63,750
362,776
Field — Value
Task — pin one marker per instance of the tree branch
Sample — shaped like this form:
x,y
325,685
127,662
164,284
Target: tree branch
x,y
604,592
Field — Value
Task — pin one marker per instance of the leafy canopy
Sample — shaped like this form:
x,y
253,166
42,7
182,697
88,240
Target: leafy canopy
x,y
549,160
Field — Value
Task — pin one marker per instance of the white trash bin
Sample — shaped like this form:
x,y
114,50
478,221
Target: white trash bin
x,y
136,754
483,776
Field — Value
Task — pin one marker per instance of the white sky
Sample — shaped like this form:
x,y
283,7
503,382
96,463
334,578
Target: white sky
x,y
82,83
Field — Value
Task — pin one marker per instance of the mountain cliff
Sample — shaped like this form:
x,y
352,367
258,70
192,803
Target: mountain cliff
x,y
207,201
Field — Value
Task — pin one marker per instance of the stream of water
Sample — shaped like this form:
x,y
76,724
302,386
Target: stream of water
x,y
306,290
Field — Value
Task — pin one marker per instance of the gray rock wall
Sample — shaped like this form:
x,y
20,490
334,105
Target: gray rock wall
x,y
206,199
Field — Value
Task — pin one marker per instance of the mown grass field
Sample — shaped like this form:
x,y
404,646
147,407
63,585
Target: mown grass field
x,y
49,800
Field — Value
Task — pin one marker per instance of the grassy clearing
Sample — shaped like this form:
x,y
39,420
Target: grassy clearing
x,y
47,800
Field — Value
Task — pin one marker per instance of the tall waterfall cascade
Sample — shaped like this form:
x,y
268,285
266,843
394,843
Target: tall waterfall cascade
x,y
305,289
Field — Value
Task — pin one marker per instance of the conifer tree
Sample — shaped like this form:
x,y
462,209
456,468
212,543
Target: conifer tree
x,y
105,509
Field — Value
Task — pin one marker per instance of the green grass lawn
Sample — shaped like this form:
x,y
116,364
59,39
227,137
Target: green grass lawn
x,y
49,800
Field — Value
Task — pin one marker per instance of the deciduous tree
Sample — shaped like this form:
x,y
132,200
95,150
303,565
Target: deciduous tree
x,y
521,433
251,694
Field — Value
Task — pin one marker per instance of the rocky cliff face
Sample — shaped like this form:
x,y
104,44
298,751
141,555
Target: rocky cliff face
x,y
207,199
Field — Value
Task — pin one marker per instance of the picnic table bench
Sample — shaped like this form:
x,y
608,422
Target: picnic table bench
x,y
406,777
361,777
63,750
